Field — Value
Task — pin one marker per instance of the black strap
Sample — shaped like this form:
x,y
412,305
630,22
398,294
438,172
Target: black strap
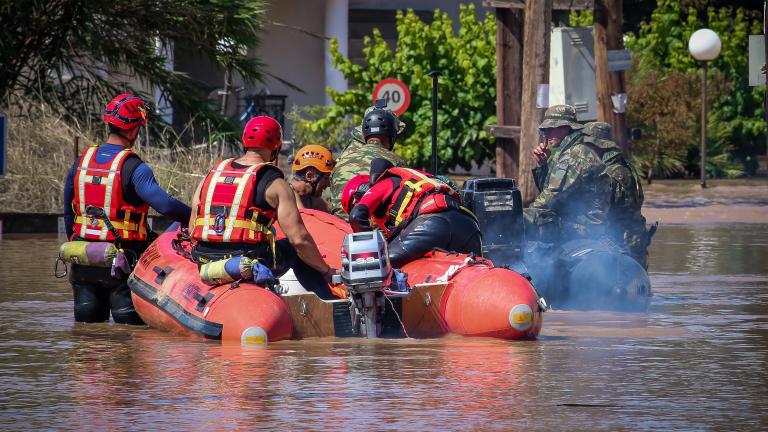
x,y
98,212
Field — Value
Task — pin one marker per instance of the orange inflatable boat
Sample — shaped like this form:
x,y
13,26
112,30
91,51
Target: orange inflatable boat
x,y
169,295
449,293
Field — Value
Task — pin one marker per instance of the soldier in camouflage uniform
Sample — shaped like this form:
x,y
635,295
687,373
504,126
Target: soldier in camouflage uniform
x,y
373,139
574,189
625,220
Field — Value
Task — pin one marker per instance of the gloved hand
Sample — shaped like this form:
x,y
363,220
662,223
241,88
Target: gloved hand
x,y
262,273
399,281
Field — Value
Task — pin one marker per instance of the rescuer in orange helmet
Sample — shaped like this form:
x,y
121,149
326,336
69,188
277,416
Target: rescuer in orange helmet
x,y
311,166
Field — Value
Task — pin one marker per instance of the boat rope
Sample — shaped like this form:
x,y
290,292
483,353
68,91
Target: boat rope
x,y
176,244
397,315
455,268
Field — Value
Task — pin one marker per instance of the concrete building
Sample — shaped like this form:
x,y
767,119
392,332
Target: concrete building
x,y
295,48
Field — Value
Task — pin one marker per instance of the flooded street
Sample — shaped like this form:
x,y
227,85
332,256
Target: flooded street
x,y
697,360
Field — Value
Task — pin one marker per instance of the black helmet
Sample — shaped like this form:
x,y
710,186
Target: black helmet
x,y
380,121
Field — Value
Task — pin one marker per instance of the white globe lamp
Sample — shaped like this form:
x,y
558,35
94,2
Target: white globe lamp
x,y
704,45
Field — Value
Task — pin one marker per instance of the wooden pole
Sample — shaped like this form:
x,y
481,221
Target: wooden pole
x,y
536,36
609,36
509,83
765,43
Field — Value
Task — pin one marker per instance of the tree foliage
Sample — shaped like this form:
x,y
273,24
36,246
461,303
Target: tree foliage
x,y
467,89
736,125
76,54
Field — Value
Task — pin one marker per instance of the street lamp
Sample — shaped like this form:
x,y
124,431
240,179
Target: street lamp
x,y
704,46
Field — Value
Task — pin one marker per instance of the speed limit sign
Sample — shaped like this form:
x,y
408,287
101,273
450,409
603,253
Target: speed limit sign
x,y
395,93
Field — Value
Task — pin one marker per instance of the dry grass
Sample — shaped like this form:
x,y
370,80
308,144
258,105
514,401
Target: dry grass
x,y
40,151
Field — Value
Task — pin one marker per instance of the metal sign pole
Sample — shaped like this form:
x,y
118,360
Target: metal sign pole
x,y
434,74
3,145
704,127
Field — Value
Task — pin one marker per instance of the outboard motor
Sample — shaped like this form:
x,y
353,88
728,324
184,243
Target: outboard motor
x,y
599,275
498,205
366,272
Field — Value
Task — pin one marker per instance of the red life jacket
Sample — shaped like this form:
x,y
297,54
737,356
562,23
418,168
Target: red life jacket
x,y
99,185
418,193
226,212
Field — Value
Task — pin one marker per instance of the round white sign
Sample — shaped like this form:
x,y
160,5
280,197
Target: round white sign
x,y
395,93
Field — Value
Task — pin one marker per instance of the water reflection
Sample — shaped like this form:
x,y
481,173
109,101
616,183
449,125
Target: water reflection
x,y
696,360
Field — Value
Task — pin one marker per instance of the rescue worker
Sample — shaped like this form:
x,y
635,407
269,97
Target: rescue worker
x,y
626,222
374,138
107,195
237,202
311,166
416,212
574,188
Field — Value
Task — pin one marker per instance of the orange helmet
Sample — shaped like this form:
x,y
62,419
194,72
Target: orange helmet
x,y
313,155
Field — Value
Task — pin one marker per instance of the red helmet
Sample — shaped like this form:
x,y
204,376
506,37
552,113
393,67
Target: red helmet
x,y
263,132
354,190
125,111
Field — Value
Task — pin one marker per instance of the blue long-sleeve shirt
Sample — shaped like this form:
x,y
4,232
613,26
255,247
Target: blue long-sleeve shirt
x,y
142,182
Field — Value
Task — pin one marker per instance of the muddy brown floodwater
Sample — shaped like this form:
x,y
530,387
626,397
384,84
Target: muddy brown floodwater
x,y
696,360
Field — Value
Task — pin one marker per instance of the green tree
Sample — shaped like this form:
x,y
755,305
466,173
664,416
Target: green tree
x,y
467,90
75,54
736,126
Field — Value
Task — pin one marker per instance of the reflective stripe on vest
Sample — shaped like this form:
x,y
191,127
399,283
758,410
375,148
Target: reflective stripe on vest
x,y
81,184
114,168
209,197
236,203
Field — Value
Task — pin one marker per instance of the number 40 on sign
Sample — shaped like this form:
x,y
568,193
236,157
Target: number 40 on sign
x,y
395,93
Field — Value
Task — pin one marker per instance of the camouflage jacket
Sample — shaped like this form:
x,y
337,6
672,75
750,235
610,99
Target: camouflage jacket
x,y
626,221
575,194
355,159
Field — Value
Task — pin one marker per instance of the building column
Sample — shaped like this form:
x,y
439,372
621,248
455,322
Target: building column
x,y
336,26
163,104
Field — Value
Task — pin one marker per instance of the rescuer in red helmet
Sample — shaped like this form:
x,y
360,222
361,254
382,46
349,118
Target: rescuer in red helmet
x,y
416,212
107,195
237,203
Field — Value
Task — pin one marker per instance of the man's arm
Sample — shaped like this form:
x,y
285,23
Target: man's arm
x,y
195,204
281,197
320,204
149,191
360,215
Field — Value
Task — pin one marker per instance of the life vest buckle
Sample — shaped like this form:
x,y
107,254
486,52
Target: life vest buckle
x,y
219,221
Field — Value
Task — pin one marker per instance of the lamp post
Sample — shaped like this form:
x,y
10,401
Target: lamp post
x,y
704,45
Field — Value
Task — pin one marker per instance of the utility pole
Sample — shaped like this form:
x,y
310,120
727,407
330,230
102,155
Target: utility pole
x,y
509,83
536,36
765,43
609,36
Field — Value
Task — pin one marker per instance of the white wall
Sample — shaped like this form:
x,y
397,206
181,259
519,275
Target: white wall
x,y
293,55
